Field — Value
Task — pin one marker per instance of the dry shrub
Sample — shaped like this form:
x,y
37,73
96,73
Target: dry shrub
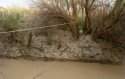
x,y
99,16
58,11
104,15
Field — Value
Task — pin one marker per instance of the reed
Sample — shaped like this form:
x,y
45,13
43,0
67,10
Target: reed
x,y
10,19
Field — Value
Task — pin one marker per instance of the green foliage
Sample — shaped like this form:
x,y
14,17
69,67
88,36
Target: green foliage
x,y
82,25
10,19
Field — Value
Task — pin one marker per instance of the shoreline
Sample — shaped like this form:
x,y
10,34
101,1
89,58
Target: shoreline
x,y
101,61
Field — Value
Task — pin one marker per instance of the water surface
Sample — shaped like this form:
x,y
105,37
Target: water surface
x,y
26,69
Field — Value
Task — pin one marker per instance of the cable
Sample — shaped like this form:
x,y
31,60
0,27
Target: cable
x,y
21,30
46,69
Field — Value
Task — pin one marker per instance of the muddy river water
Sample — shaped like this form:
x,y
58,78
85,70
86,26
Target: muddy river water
x,y
26,69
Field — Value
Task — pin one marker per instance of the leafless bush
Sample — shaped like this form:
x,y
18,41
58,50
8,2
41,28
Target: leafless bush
x,y
53,11
99,15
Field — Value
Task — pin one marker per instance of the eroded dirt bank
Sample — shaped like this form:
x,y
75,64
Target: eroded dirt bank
x,y
25,69
58,44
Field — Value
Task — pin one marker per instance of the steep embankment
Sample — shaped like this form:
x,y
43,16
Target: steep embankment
x,y
57,44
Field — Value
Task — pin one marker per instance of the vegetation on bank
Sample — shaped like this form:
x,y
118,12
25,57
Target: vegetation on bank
x,y
94,17
10,19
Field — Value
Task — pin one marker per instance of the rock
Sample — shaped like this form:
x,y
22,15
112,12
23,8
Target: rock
x,y
14,52
35,53
92,52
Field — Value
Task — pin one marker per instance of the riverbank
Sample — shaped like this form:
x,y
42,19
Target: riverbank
x,y
60,45
31,58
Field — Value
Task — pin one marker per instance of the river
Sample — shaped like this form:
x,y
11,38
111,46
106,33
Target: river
x,y
26,69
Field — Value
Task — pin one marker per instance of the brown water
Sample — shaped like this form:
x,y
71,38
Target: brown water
x,y
25,69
